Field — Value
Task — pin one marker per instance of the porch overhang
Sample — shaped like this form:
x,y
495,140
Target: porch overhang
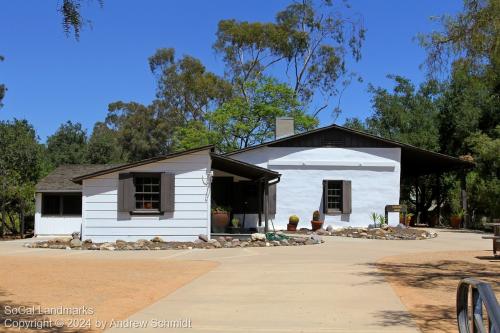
x,y
250,171
418,162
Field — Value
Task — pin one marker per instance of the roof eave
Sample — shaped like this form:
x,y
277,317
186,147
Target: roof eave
x,y
79,179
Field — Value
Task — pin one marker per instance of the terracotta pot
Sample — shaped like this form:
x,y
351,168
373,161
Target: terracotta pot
x,y
455,221
220,220
316,225
291,227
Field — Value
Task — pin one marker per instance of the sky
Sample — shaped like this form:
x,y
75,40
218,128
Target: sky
x,y
52,78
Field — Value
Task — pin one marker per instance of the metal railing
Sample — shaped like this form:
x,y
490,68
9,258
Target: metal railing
x,y
482,296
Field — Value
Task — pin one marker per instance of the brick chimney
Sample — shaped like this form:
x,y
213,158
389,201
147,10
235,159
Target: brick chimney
x,y
284,127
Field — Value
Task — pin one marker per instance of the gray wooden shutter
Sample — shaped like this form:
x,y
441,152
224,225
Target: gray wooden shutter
x,y
346,197
324,198
126,191
167,196
272,199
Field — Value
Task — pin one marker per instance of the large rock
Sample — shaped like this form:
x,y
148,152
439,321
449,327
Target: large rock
x,y
75,243
203,237
107,247
322,232
329,228
258,237
300,240
315,239
157,240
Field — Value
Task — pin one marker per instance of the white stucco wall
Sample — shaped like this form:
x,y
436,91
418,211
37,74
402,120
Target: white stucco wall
x,y
54,225
374,173
102,221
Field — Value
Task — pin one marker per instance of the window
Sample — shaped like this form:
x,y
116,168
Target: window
x,y
147,192
334,196
337,196
64,204
150,193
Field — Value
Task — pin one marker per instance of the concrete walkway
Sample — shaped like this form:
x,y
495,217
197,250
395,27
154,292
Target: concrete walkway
x,y
331,287
327,288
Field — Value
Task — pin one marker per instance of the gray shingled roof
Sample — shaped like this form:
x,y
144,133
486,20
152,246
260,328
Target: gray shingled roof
x,y
60,179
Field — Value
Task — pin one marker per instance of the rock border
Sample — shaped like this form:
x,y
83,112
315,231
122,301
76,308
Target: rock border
x,y
399,232
157,243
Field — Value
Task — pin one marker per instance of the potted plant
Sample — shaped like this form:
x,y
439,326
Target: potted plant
x,y
409,216
292,223
235,226
456,219
316,224
220,218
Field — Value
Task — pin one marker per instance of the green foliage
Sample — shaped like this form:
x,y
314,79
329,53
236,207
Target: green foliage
x,y
142,131
250,119
471,36
185,89
103,146
68,145
484,183
235,222
72,19
406,114
310,41
193,134
21,166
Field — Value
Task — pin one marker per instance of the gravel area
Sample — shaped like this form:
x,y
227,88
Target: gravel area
x,y
113,289
427,284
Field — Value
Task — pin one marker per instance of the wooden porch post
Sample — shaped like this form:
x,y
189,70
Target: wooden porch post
x,y
438,195
417,202
266,205
463,192
260,198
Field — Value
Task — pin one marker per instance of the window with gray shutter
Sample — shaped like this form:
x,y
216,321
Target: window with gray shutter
x,y
146,192
337,196
126,191
167,192
346,197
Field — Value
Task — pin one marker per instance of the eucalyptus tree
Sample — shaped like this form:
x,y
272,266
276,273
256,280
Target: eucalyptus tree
x,y
309,43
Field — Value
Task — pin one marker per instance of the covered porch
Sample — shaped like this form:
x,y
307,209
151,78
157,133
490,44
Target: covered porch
x,y
246,192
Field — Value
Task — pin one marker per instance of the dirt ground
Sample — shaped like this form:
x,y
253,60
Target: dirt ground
x,y
113,288
427,283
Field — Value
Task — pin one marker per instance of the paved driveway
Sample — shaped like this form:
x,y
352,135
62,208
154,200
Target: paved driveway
x,y
327,288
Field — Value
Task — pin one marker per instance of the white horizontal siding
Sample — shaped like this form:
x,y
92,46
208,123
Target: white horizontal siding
x,y
132,238
149,232
102,221
179,206
153,223
113,214
54,225
111,198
